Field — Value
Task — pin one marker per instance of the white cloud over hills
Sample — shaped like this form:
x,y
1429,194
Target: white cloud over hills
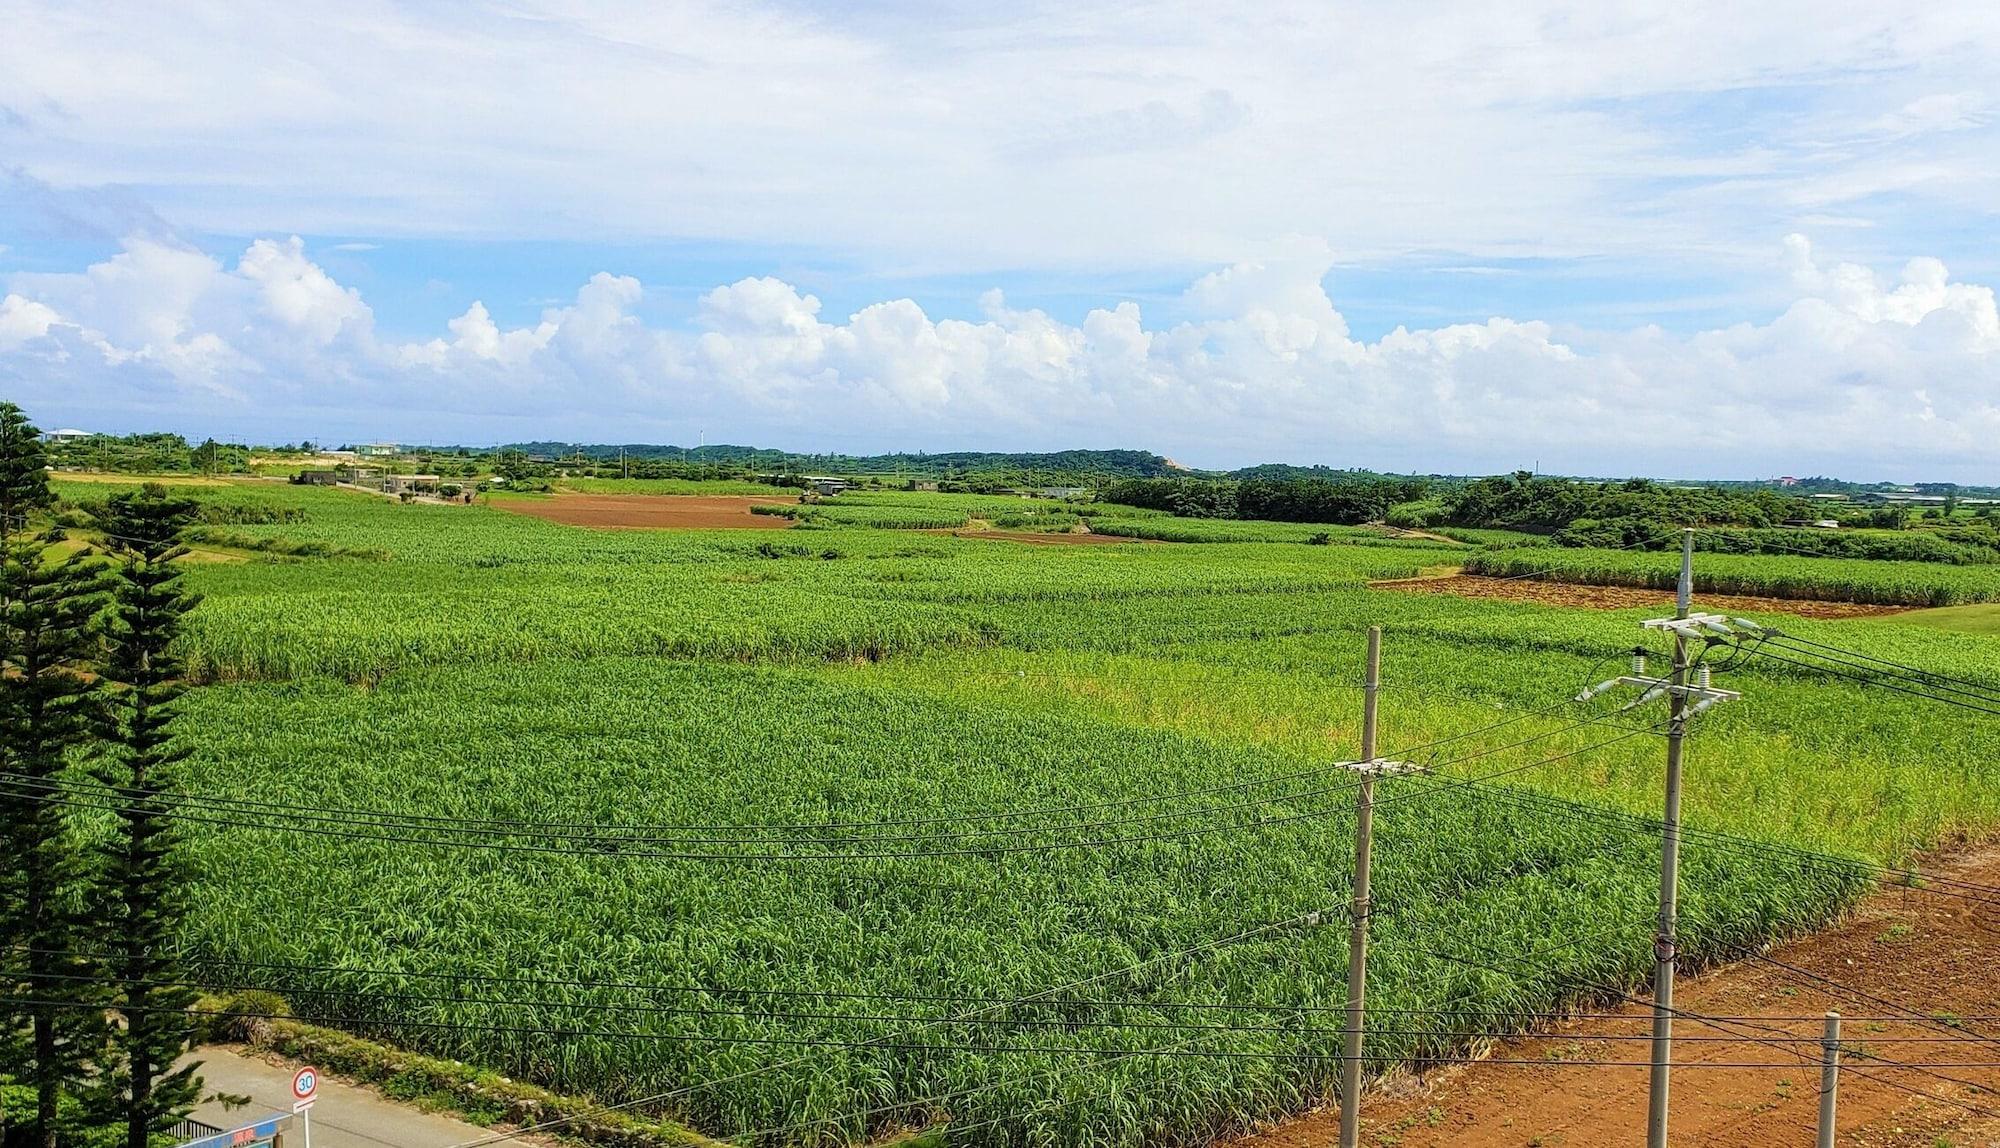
x,y
1888,374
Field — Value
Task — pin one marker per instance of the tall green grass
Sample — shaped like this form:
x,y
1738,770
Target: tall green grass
x,y
1823,579
498,666
649,741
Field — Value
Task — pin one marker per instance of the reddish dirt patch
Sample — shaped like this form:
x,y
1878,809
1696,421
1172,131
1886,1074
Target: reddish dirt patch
x,y
652,511
1623,597
1917,953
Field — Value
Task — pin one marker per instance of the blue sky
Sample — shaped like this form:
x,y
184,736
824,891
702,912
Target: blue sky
x,y
1449,237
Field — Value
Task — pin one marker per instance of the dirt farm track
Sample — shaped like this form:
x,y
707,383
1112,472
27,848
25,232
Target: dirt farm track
x,y
1915,953
653,511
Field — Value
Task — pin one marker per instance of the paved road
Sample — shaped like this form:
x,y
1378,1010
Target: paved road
x,y
345,1117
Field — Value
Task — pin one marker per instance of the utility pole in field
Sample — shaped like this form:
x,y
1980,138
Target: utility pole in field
x,y
1369,768
1670,863
1686,698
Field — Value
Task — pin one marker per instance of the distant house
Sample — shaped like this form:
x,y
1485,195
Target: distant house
x,y
825,484
378,450
1063,492
68,434
358,475
319,477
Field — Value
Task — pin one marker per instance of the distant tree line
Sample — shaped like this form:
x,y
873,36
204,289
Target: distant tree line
x,y
1570,512
1544,505
1339,501
961,466
149,454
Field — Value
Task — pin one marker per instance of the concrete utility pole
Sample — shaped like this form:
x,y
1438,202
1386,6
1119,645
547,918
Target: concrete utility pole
x,y
1829,1078
1357,944
1670,863
1369,767
1686,699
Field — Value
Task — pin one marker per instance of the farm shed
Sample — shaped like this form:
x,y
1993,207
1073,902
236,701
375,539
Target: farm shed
x,y
398,483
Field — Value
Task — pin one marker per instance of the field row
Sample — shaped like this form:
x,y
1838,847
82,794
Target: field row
x,y
1459,875
1826,579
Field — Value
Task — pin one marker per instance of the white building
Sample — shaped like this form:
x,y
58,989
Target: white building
x,y
68,434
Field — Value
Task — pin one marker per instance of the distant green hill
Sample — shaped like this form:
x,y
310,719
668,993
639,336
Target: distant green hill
x,y
1286,472
1079,463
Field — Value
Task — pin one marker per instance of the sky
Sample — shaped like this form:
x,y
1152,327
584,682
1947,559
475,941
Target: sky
x,y
1680,238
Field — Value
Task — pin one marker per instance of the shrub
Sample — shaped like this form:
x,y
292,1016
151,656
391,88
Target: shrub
x,y
240,1016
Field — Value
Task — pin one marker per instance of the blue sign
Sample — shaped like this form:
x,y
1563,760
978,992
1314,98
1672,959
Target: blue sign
x,y
247,1136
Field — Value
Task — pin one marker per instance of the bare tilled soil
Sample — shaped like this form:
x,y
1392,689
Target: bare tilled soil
x,y
1623,597
1904,956
652,511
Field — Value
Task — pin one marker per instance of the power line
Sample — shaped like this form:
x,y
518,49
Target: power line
x,y
1309,918
1858,663
1926,1068
1875,680
822,1043
1918,881
618,847
1914,670
1164,1004
998,815
1779,1042
1057,1023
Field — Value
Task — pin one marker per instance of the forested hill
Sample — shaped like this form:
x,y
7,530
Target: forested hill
x,y
1096,463
1287,472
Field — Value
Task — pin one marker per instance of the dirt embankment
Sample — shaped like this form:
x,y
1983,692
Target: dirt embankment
x,y
1623,597
652,511
1916,954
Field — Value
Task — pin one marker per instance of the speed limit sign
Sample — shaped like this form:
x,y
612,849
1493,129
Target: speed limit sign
x,y
305,1087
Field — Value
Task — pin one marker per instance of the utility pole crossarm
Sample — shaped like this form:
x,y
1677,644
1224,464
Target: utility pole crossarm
x,y
1381,767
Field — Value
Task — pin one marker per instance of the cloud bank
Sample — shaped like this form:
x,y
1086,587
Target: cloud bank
x,y
1862,372
966,137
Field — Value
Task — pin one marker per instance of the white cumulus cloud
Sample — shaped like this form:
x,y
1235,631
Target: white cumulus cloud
x,y
1860,373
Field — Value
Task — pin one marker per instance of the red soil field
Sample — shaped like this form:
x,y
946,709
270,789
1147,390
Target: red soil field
x,y
652,511
1915,953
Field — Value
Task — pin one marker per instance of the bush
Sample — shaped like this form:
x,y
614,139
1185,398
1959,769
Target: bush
x,y
1542,505
239,1017
1415,515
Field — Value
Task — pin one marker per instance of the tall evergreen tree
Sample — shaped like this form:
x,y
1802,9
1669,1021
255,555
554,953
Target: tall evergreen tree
x,y
24,481
146,875
47,606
